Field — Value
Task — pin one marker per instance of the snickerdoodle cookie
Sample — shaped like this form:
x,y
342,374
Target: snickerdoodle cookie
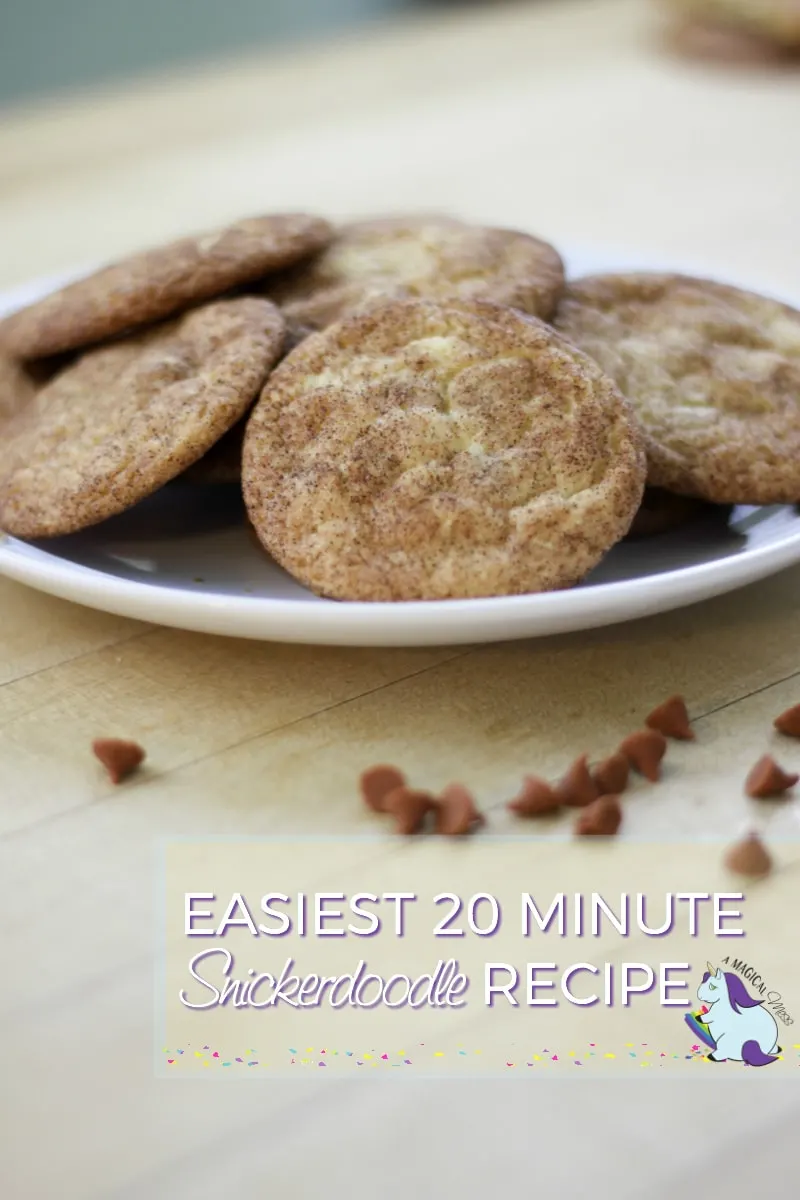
x,y
131,415
421,450
431,258
713,373
19,383
161,282
222,464
17,387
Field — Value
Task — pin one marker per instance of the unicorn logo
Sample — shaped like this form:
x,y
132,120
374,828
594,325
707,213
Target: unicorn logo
x,y
732,1023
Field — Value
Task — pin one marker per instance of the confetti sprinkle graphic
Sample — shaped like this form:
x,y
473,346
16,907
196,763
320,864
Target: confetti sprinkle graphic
x,y
376,1057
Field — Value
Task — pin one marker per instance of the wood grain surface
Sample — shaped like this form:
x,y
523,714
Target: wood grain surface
x,y
567,119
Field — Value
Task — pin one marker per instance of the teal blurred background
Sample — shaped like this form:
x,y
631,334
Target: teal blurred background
x,y
47,46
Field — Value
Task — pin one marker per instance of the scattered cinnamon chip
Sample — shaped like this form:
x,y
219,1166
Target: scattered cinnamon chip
x,y
377,782
767,779
603,818
536,797
789,722
409,808
672,719
577,788
456,811
611,775
120,758
644,750
749,857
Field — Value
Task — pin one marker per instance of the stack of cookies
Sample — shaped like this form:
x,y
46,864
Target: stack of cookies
x,y
414,408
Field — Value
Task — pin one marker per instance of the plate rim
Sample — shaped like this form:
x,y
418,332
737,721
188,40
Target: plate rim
x,y
372,623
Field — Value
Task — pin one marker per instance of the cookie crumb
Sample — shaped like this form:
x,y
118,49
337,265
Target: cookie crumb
x,y
456,812
749,857
672,719
788,722
409,808
377,782
535,798
120,758
577,788
602,818
611,775
644,751
767,779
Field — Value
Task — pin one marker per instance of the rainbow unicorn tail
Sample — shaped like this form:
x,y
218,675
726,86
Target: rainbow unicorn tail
x,y
754,1056
700,1029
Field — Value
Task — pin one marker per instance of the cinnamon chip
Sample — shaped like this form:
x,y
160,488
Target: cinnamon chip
x,y
749,857
672,719
602,818
611,775
767,779
456,812
409,808
644,750
119,758
536,797
789,722
577,788
377,782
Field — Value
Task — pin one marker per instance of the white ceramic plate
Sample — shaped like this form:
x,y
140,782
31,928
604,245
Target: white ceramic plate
x,y
185,558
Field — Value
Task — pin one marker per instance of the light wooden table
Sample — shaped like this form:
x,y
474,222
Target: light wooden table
x,y
564,119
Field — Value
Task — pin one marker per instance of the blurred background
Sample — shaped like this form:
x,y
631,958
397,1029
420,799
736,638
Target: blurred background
x,y
662,127
50,45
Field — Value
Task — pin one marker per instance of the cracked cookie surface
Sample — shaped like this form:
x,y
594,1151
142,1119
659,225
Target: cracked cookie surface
x,y
434,258
431,451
158,283
713,373
126,418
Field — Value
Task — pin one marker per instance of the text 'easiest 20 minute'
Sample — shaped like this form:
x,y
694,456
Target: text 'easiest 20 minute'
x,y
332,914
